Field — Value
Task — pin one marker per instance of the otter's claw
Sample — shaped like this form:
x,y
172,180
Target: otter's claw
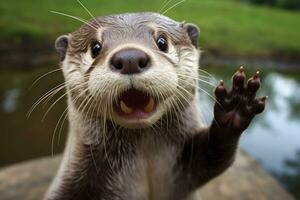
x,y
236,109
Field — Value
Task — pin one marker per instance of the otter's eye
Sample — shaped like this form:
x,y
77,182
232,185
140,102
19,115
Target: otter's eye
x,y
162,43
96,48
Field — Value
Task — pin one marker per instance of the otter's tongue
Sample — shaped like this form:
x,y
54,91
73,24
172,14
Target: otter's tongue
x,y
135,102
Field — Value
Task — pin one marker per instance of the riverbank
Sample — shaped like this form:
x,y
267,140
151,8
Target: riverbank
x,y
244,180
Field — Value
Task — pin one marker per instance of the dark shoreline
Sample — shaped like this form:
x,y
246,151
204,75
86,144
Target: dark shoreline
x,y
244,180
20,54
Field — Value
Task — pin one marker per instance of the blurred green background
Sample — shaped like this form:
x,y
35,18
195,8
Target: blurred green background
x,y
262,34
229,26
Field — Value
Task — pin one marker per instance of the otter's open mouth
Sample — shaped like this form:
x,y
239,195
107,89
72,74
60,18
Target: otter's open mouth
x,y
134,104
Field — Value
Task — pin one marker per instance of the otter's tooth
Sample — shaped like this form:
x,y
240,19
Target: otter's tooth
x,y
125,108
150,105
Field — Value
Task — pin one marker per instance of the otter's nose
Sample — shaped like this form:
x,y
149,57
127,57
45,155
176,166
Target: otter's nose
x,y
130,61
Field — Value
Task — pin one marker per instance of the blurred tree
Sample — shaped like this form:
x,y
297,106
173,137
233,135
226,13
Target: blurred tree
x,y
268,2
289,4
286,4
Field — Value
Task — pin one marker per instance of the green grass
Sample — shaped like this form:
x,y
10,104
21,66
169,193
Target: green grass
x,y
226,25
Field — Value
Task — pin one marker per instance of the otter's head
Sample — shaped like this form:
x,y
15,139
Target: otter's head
x,y
132,68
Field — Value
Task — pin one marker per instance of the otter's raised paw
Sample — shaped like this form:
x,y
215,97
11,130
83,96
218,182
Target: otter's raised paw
x,y
236,109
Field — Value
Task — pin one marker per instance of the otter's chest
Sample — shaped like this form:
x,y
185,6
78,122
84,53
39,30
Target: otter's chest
x,y
150,174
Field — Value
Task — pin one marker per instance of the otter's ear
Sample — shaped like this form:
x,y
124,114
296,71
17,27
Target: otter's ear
x,y
193,32
61,46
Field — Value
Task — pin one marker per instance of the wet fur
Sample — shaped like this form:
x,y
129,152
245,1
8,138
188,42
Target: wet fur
x,y
171,155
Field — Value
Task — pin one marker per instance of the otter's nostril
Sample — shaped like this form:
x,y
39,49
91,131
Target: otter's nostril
x,y
119,65
143,63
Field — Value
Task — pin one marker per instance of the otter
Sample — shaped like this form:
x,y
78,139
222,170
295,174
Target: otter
x,y
134,121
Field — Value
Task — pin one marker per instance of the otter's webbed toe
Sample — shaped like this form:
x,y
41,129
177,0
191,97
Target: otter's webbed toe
x,y
235,109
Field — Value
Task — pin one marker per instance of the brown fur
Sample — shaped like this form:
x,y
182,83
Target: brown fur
x,y
170,155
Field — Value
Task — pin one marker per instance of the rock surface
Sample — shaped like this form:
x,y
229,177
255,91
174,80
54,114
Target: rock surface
x,y
245,180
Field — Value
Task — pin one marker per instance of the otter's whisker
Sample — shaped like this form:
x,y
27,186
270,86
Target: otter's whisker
x,y
173,6
87,10
54,133
160,94
57,100
64,113
86,109
177,107
76,18
201,70
172,97
42,76
198,79
106,136
163,6
112,97
45,96
203,90
75,101
52,94
104,116
62,124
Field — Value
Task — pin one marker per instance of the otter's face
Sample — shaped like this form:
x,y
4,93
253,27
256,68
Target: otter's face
x,y
131,68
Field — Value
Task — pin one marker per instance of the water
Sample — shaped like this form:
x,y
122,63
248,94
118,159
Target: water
x,y
273,138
